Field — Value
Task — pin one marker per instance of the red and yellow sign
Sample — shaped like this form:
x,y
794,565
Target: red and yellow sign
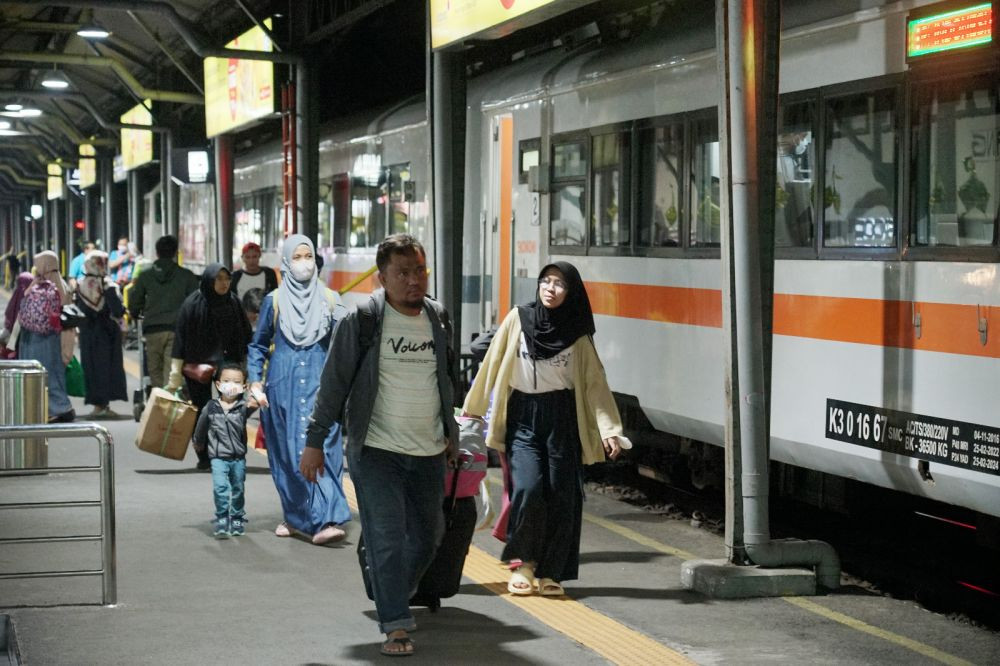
x,y
452,20
137,145
946,31
88,165
54,189
239,91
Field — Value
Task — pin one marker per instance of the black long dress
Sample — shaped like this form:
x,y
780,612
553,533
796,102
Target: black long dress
x,y
101,350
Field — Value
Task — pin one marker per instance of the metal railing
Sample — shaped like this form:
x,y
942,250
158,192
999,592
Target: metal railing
x,y
109,564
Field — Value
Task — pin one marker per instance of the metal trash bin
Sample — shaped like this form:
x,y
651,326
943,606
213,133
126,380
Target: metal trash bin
x,y
24,399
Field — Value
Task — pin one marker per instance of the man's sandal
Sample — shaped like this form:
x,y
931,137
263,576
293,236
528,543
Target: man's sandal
x,y
405,647
549,588
522,581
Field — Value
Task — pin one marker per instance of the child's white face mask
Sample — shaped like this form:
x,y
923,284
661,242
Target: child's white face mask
x,y
230,389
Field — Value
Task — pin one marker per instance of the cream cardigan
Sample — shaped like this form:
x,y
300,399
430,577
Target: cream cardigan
x,y
596,412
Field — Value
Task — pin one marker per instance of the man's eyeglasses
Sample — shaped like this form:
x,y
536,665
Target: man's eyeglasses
x,y
552,283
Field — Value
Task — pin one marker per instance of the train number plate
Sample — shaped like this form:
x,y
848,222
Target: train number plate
x,y
930,438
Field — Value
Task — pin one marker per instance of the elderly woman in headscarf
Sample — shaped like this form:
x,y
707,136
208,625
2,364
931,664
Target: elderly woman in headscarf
x,y
211,328
552,413
41,333
291,340
100,336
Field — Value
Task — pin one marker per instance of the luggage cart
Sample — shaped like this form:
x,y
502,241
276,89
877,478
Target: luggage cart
x,y
140,395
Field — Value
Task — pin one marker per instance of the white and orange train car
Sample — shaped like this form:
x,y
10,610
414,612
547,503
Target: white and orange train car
x,y
886,346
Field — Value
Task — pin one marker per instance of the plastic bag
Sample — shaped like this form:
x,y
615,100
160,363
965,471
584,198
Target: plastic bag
x,y
75,384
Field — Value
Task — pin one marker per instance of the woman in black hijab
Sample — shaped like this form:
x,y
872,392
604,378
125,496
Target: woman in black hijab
x,y
552,412
211,328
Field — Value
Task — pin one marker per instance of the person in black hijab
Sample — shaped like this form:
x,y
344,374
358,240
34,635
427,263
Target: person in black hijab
x,y
211,328
552,412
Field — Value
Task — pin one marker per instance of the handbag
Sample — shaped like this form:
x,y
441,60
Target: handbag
x,y
75,384
71,316
199,372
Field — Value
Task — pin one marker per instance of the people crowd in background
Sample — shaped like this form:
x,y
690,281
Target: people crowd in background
x,y
252,275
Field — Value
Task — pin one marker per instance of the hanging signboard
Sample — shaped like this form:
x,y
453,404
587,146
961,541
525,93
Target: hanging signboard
x,y
453,20
54,189
137,145
88,165
949,27
238,92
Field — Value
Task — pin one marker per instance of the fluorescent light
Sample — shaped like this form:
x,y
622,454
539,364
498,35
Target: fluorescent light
x,y
55,82
93,32
14,107
4,124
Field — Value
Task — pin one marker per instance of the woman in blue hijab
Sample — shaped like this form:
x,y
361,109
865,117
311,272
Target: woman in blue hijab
x,y
285,360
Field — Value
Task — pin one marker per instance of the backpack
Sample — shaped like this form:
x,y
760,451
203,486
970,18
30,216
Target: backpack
x,y
40,309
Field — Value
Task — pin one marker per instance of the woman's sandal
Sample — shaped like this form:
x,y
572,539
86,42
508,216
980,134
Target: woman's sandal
x,y
522,581
405,647
282,530
550,588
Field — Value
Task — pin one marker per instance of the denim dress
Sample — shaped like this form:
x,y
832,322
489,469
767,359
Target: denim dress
x,y
291,386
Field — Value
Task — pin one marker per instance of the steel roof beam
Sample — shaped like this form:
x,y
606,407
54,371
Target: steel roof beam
x,y
191,34
104,61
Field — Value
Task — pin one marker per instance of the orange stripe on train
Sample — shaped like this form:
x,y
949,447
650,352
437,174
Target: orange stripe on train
x,y
945,327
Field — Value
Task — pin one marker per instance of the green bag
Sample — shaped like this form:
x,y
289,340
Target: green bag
x,y
74,379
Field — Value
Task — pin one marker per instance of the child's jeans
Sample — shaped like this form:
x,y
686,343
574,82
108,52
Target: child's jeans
x,y
228,479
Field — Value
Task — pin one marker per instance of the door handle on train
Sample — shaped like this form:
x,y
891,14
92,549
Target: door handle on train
x,y
983,326
916,318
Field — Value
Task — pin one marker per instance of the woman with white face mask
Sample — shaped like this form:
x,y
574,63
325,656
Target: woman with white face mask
x,y
292,338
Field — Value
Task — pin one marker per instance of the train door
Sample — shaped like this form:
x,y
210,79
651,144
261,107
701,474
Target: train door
x,y
499,222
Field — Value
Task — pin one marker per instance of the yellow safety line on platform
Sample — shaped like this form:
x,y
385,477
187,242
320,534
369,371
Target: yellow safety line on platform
x,y
131,367
864,627
605,636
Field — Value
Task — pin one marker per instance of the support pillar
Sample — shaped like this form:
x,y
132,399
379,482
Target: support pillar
x,y
134,210
306,152
106,167
224,198
447,94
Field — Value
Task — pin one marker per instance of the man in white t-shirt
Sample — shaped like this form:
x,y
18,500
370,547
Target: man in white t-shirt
x,y
389,379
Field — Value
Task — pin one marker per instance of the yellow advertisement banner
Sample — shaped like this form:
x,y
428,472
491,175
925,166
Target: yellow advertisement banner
x,y
239,91
452,20
137,145
88,165
54,189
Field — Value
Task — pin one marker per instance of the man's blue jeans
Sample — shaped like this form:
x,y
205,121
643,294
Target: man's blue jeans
x,y
399,499
228,480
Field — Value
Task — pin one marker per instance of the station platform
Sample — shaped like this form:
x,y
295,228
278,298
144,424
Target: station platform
x,y
187,598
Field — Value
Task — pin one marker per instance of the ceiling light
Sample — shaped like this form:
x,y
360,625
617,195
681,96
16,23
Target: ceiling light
x,y
4,124
23,113
55,80
14,107
93,32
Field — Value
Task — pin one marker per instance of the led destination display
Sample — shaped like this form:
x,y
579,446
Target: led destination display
x,y
954,443
947,31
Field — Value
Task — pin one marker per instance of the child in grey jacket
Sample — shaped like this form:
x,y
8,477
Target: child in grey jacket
x,y
222,431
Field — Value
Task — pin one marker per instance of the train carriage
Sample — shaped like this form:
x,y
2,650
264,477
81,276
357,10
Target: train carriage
x,y
605,153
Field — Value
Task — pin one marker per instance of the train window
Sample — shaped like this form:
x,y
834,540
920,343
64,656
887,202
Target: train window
x,y
568,215
568,219
341,214
704,183
395,193
607,228
793,201
859,193
529,155
659,196
956,174
569,160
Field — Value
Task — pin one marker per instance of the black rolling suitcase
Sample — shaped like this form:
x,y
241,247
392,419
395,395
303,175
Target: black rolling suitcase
x,y
444,575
